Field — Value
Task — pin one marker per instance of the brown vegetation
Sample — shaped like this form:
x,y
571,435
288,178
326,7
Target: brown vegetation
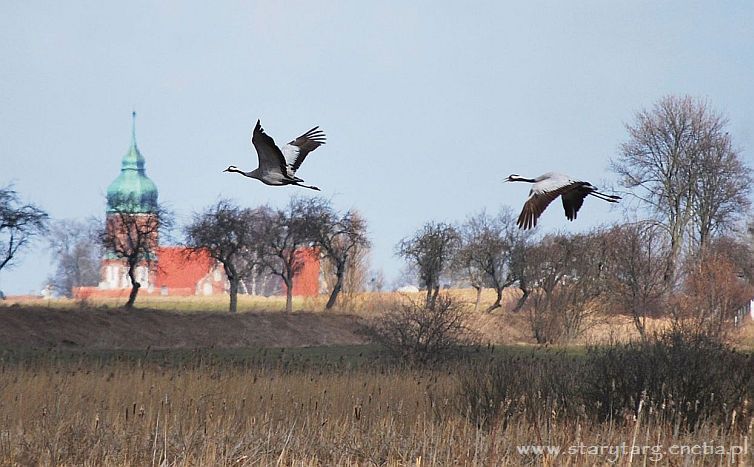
x,y
75,405
268,410
420,333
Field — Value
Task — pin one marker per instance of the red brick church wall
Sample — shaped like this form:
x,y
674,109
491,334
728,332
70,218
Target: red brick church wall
x,y
306,282
179,272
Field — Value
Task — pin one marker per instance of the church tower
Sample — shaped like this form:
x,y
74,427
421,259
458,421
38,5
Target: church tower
x,y
132,189
132,193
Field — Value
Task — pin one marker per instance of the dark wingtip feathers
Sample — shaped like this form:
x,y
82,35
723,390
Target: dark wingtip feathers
x,y
316,135
526,220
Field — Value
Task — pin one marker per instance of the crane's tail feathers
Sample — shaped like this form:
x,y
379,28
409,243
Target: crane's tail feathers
x,y
605,197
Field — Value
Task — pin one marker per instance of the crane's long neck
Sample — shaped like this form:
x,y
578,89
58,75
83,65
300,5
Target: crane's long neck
x,y
236,170
522,179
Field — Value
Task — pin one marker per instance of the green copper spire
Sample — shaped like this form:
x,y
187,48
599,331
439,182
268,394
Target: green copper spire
x,y
133,128
133,158
132,191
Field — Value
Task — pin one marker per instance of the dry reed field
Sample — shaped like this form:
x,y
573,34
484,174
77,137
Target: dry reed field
x,y
69,399
286,408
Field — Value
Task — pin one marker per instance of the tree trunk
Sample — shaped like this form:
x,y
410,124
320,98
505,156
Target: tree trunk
x,y
670,271
254,280
233,294
134,288
640,323
478,298
233,279
435,293
288,295
8,257
428,301
339,275
498,301
522,300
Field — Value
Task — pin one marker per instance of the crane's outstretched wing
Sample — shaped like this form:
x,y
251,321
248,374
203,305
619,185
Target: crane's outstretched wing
x,y
538,202
296,151
270,156
573,199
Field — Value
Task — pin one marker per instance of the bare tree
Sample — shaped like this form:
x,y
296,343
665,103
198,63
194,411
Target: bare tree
x,y
567,276
430,251
739,249
546,267
465,265
637,259
487,252
357,276
77,254
228,234
722,190
520,264
342,241
132,235
284,233
377,281
679,163
19,224
715,287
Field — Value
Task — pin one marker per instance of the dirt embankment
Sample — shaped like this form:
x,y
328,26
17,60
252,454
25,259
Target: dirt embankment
x,y
39,327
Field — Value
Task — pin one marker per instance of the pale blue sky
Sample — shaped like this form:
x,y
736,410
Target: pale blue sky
x,y
427,105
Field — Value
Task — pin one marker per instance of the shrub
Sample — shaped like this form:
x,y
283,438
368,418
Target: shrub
x,y
421,333
684,378
712,294
531,384
566,273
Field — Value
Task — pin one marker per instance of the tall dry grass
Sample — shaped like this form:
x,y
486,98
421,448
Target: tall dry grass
x,y
91,411
354,303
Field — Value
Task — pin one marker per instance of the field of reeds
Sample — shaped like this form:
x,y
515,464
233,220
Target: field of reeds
x,y
351,406
186,383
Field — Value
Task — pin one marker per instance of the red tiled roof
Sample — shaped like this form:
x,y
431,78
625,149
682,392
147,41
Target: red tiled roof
x,y
179,273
